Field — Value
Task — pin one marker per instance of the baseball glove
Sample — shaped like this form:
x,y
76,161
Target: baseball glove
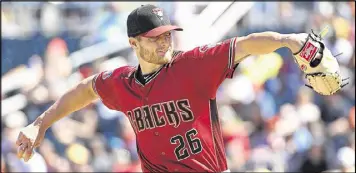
x,y
320,67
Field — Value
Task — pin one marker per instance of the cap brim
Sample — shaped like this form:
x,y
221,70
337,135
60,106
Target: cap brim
x,y
160,30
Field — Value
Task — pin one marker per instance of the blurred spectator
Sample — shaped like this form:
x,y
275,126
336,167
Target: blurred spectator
x,y
79,157
346,159
57,67
315,161
4,166
352,117
51,20
101,161
36,164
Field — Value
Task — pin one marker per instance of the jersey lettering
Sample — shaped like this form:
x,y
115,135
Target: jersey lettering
x,y
186,113
146,117
160,122
171,113
131,118
138,117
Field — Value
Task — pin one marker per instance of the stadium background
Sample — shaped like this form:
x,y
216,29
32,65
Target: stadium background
x,y
270,120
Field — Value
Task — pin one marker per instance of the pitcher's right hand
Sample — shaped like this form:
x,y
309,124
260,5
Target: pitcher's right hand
x,y
29,138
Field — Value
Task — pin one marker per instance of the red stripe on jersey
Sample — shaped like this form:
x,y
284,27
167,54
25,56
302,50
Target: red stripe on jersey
x,y
231,66
147,164
217,136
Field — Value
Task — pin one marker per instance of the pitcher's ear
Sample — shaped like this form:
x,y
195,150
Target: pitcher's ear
x,y
133,42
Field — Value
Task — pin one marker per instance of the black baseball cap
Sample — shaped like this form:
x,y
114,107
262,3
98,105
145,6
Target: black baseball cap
x,y
149,21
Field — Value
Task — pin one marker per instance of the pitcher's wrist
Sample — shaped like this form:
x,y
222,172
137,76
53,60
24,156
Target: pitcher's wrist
x,y
294,42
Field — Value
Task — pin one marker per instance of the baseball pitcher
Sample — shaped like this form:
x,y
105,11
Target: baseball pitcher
x,y
170,96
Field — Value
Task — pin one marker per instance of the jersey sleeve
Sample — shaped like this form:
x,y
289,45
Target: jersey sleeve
x,y
103,85
217,59
210,64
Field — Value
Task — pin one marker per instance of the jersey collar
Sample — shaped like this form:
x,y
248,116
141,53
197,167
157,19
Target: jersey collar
x,y
138,68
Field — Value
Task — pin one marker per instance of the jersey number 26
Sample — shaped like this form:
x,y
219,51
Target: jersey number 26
x,y
194,144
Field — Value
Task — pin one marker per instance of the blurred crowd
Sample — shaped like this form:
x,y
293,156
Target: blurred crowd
x,y
270,120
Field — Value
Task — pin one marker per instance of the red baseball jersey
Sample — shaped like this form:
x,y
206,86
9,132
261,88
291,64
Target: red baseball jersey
x,y
174,115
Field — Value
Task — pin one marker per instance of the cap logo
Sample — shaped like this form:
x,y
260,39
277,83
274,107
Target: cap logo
x,y
158,12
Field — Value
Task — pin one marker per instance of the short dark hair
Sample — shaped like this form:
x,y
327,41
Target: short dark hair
x,y
138,38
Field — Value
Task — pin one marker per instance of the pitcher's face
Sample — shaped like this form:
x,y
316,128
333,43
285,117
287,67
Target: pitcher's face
x,y
155,50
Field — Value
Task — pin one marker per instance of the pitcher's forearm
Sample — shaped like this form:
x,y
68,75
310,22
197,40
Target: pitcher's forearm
x,y
267,42
73,100
264,42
